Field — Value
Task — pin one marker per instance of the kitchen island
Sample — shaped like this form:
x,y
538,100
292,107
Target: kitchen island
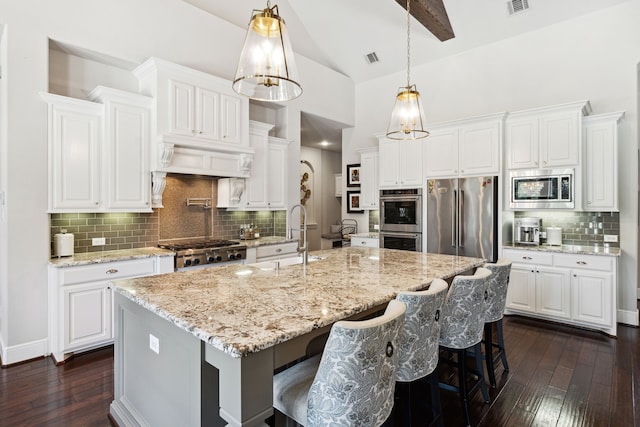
x,y
179,335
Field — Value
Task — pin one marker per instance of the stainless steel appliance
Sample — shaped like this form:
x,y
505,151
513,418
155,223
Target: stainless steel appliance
x,y
542,189
462,217
526,231
401,219
205,253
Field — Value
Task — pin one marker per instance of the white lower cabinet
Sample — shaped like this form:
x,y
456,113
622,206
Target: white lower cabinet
x,y
570,288
81,302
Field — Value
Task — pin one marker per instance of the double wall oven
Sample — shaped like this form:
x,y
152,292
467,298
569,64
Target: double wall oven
x,y
401,219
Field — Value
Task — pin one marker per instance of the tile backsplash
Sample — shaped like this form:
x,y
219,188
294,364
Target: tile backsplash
x,y
580,228
175,220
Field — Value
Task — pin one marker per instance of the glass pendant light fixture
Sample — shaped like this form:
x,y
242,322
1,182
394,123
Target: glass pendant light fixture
x,y
266,69
407,117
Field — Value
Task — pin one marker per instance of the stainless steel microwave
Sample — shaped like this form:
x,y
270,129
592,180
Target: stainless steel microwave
x,y
542,189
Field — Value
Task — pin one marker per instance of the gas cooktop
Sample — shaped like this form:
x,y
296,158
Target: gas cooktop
x,y
202,253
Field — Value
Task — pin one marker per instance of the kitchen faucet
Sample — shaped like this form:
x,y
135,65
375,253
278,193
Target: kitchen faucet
x,y
301,249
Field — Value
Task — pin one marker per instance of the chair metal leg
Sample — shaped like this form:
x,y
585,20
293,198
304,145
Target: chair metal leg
x,y
436,407
462,380
503,354
404,402
488,353
483,385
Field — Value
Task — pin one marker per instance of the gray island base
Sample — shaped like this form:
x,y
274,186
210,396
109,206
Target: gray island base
x,y
200,347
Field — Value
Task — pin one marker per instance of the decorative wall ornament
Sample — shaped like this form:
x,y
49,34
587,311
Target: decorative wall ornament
x,y
305,192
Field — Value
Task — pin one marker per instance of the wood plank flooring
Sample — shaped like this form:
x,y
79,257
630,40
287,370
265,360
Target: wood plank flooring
x,y
559,376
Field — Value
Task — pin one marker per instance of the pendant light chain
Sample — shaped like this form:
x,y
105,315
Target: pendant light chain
x,y
408,41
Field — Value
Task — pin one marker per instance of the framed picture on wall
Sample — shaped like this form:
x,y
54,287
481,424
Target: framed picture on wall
x,y
353,175
353,202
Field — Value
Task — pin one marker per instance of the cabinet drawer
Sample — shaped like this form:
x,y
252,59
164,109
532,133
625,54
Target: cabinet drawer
x,y
365,242
107,271
591,262
275,250
528,257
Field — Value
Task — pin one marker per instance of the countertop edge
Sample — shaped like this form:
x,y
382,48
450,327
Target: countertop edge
x,y
570,249
89,258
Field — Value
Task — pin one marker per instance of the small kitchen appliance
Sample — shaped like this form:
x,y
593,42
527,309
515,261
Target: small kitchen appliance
x,y
554,236
526,231
542,189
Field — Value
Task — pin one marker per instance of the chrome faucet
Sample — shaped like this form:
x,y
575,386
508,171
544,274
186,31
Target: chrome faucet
x,y
301,249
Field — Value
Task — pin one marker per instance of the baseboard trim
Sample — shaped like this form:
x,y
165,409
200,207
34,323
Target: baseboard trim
x,y
22,352
628,317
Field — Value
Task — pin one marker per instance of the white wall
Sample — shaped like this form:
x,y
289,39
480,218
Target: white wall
x,y
130,32
592,57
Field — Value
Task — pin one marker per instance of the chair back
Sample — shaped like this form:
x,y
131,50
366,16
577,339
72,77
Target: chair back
x,y
462,321
497,291
421,331
355,381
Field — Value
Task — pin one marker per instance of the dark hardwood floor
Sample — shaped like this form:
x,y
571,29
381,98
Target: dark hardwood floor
x,y
559,376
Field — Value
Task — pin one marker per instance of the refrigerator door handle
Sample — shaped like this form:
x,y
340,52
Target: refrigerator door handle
x,y
461,222
454,215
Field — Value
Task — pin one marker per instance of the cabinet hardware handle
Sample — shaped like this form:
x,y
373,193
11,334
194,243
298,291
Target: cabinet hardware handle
x,y
278,250
532,271
526,257
581,263
538,271
589,202
575,275
112,271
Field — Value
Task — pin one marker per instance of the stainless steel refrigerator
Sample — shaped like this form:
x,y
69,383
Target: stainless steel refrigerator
x,y
462,217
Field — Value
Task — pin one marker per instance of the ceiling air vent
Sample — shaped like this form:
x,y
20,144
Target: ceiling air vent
x,y
372,58
517,6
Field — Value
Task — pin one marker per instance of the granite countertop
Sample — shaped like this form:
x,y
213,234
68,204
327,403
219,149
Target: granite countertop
x,y
267,240
108,256
242,309
370,235
570,249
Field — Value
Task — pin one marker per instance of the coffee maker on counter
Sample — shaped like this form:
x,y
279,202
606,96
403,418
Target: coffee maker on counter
x,y
526,231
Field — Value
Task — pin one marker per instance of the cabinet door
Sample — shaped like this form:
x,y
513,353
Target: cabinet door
x,y
553,292
559,139
75,144
389,163
479,149
207,113
255,195
441,153
277,176
369,180
410,172
592,297
601,171
87,315
521,294
522,143
231,128
127,160
181,108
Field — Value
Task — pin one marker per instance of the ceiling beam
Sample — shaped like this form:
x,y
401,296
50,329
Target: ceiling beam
x,y
433,15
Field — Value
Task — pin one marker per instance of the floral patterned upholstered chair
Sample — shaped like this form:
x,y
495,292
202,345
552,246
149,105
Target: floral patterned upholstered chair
x,y
352,382
462,324
497,298
419,346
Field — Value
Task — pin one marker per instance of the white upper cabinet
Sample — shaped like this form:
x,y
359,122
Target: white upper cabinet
x,y
545,137
369,179
266,188
75,144
400,163
468,147
600,169
99,152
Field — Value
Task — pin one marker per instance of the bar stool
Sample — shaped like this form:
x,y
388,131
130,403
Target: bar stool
x,y
497,298
462,324
352,382
419,346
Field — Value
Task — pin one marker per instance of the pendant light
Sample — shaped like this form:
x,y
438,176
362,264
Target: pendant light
x,y
266,69
407,117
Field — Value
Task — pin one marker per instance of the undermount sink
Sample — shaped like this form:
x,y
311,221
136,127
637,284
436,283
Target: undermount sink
x,y
284,262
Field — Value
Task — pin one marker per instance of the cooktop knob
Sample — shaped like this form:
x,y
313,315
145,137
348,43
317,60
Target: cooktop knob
x,y
211,259
196,261
218,258
187,262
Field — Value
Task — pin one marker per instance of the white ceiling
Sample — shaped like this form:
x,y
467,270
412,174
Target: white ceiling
x,y
339,33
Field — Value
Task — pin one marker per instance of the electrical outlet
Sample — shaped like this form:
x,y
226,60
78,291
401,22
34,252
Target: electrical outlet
x,y
154,343
610,238
98,241
376,226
